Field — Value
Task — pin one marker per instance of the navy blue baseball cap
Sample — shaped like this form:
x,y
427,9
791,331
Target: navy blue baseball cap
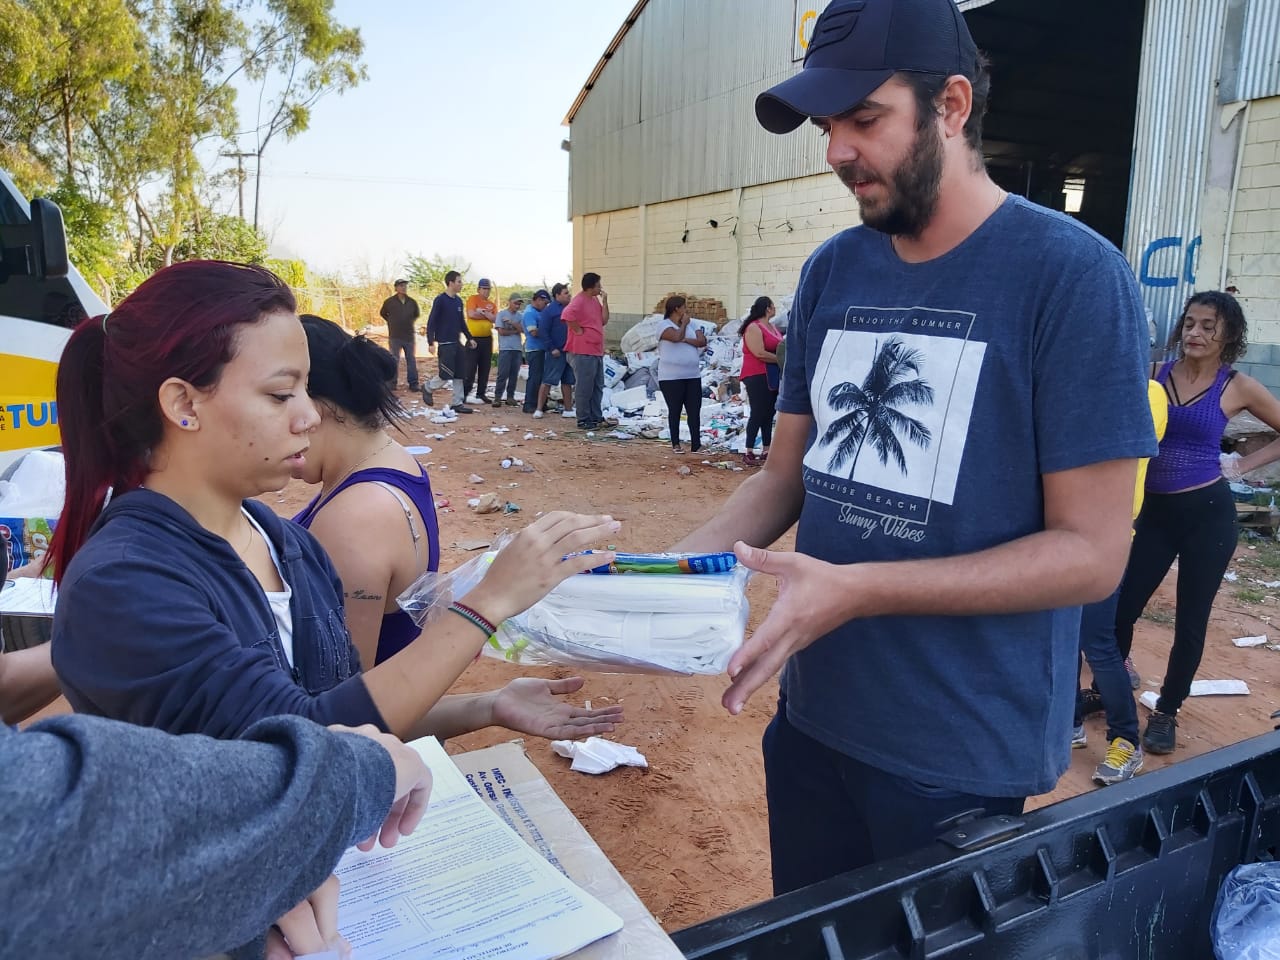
x,y
542,295
859,44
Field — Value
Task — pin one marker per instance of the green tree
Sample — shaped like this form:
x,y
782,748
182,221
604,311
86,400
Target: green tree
x,y
427,273
57,61
872,415
93,239
297,55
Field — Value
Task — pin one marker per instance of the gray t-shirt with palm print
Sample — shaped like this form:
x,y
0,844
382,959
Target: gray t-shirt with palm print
x,y
940,393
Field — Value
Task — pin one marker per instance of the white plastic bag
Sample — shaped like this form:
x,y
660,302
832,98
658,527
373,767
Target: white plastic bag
x,y
643,336
630,400
1246,914
619,623
36,488
614,371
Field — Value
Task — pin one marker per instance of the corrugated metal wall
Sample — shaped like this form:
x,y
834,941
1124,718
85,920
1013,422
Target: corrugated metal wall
x,y
672,115
1176,105
1251,51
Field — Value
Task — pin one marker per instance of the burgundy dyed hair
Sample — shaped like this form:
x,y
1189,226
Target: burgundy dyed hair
x,y
181,322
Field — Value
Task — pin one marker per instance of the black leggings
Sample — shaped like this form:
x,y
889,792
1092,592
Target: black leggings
x,y
1197,527
764,402
686,394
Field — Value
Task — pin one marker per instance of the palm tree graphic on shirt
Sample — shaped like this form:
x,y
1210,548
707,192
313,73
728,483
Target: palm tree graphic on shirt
x,y
870,412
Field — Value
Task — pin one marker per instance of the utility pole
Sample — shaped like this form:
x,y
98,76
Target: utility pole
x,y
239,159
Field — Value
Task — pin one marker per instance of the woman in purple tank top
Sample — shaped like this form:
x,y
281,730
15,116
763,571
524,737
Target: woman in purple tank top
x,y
375,516
1189,514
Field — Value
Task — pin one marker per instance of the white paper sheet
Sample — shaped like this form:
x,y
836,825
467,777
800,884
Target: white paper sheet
x,y
1213,688
1200,688
463,886
28,597
1250,641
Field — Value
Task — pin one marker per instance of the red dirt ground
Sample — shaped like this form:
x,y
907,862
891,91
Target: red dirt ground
x,y
689,833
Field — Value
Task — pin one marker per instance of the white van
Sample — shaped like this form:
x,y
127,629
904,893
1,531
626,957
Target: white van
x,y
42,298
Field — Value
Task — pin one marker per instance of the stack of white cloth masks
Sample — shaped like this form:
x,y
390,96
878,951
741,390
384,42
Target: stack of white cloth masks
x,y
628,622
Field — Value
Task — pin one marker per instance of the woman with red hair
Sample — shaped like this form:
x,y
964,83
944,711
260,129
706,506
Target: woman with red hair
x,y
185,604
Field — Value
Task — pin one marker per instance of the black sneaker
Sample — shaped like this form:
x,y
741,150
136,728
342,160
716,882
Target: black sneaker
x,y
1160,735
462,408
1088,702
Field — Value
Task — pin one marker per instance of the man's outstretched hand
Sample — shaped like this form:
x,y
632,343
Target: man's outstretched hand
x,y
814,597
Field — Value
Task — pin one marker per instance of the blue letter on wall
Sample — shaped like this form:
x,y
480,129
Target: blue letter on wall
x,y
1144,270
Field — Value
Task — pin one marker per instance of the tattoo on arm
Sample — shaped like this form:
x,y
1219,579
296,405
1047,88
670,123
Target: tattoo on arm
x,y
362,595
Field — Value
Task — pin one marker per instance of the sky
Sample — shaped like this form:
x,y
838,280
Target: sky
x,y
451,147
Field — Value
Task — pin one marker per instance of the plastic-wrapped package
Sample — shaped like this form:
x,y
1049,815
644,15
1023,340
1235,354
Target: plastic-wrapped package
x,y
642,336
623,623
1246,915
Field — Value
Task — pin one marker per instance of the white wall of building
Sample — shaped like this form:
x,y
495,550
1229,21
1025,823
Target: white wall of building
x,y
764,235
1253,257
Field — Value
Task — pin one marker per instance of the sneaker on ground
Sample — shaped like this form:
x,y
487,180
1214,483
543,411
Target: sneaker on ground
x,y
475,399
497,403
1161,733
1122,762
569,414
1134,680
1089,702
537,414
461,408
1078,738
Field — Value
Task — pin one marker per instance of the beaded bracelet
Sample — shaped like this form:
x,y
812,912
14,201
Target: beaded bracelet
x,y
473,618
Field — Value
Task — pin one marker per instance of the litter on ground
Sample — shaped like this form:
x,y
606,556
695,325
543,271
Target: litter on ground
x,y
597,755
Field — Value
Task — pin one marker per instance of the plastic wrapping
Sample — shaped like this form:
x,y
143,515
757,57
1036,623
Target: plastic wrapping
x,y
642,336
1246,915
624,623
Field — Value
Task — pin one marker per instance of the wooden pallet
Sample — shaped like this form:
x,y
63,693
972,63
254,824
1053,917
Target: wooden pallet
x,y
1254,516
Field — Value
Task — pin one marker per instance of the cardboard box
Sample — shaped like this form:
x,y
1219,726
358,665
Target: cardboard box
x,y
508,781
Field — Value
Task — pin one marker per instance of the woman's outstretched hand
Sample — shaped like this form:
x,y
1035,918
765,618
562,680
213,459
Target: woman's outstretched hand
x,y
537,559
532,705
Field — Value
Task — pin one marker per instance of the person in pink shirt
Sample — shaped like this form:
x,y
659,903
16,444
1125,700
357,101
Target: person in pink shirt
x,y
760,375
586,316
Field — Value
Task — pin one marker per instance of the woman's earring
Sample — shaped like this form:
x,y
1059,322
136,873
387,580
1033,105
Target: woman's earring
x,y
184,423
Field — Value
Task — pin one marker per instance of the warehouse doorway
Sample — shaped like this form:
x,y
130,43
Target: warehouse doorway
x,y
1059,128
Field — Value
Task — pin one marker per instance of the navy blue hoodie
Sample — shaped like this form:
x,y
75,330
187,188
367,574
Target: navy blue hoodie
x,y
160,623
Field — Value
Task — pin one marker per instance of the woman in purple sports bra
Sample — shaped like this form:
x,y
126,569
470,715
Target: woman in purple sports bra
x,y
1189,514
375,516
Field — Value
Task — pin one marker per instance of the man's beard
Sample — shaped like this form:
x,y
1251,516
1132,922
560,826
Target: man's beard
x,y
913,190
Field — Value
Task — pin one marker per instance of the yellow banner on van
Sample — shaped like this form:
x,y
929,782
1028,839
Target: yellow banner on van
x,y
28,406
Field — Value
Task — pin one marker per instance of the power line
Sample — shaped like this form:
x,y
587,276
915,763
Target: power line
x,y
404,181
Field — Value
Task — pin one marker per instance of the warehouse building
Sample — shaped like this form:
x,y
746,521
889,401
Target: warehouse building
x,y
1156,122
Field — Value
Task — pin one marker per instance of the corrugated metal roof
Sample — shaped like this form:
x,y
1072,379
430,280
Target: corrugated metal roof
x,y
634,15
673,115
1251,51
604,59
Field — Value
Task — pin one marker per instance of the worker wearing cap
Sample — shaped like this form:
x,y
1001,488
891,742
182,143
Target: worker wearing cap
x,y
400,311
481,312
510,351
960,417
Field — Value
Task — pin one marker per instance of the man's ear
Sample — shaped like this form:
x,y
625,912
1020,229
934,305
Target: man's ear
x,y
955,103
